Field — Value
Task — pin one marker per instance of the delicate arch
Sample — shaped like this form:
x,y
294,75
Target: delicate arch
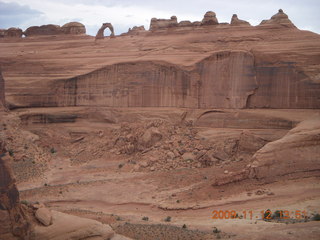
x,y
100,33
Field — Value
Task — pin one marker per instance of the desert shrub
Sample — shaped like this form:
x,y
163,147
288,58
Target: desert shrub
x,y
11,153
215,230
25,202
184,226
167,219
145,218
53,150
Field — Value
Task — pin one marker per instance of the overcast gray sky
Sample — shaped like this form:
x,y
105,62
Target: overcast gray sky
x,y
128,13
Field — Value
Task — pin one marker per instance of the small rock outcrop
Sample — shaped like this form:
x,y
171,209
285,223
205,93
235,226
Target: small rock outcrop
x,y
11,33
210,19
100,33
279,19
136,30
185,24
235,21
49,29
73,28
156,23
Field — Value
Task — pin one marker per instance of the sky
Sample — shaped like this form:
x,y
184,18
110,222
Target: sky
x,y
124,14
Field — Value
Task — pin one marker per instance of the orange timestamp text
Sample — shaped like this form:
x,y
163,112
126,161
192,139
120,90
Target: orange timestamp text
x,y
266,215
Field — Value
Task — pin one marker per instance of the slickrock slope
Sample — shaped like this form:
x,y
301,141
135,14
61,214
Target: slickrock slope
x,y
299,150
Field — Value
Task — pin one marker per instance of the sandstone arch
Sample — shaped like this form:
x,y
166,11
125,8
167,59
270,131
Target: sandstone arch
x,y
100,33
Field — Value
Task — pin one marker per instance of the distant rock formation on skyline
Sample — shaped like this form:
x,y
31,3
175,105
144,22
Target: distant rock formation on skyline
x,y
210,19
163,23
279,19
100,33
235,21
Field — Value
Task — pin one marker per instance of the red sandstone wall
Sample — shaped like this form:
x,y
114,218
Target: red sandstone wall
x,y
227,79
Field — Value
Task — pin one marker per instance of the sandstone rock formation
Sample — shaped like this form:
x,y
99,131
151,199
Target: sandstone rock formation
x,y
297,153
210,19
100,33
136,30
235,21
73,28
11,33
279,19
49,29
185,24
14,223
65,226
250,75
227,79
156,24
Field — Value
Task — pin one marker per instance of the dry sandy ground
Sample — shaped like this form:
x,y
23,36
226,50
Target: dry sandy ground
x,y
102,190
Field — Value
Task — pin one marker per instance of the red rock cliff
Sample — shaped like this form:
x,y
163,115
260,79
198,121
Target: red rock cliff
x,y
226,79
13,220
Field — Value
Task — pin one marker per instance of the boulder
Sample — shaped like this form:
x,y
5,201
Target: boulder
x,y
73,28
188,156
44,216
235,21
150,137
210,19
